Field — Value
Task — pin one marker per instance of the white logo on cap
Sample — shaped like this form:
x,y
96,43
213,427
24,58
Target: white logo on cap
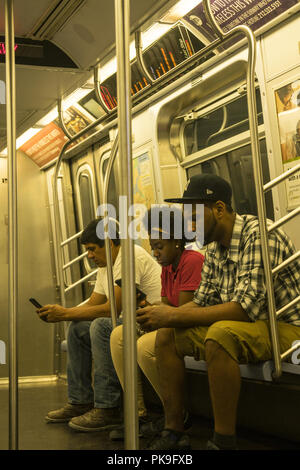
x,y
209,191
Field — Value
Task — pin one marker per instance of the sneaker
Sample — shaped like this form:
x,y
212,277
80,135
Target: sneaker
x,y
151,428
118,433
212,446
170,440
97,419
69,411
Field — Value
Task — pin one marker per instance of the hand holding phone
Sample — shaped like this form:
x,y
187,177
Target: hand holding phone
x,y
37,305
35,302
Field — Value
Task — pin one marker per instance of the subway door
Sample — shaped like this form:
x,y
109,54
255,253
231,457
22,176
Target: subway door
x,y
68,252
85,203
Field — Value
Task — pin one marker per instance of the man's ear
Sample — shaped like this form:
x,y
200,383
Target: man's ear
x,y
220,207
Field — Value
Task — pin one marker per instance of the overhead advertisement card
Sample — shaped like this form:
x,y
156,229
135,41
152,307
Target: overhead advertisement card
x,y
46,145
231,13
287,100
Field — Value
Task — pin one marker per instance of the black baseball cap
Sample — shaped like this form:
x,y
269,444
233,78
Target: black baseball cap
x,y
205,187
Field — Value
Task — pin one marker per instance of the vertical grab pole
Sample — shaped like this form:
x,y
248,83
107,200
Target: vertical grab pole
x,y
12,223
122,24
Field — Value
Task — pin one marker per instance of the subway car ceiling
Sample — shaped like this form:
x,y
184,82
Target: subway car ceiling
x,y
62,43
57,45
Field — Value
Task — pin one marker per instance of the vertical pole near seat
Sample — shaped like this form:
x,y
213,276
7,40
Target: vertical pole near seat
x,y
12,223
122,24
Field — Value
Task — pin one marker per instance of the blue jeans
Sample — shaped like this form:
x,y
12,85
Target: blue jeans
x,y
87,341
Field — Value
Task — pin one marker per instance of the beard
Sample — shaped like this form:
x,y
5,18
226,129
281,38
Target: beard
x,y
208,236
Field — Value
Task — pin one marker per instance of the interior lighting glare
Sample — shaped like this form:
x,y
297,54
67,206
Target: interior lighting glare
x,y
179,10
26,136
154,33
22,139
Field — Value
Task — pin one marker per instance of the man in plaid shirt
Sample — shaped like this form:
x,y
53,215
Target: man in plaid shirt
x,y
226,324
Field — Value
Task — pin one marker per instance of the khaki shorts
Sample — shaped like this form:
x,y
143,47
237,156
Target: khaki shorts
x,y
245,342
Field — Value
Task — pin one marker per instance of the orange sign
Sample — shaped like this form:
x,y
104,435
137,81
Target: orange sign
x,y
46,145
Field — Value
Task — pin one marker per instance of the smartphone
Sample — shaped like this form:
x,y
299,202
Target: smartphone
x,y
139,294
35,303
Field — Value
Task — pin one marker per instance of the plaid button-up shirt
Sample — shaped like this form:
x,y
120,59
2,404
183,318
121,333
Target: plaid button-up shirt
x,y
236,274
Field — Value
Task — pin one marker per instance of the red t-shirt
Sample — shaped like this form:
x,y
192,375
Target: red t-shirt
x,y
186,277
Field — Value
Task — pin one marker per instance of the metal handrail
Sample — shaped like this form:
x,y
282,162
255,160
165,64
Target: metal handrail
x,y
61,118
290,304
287,353
139,56
281,177
80,281
10,72
258,174
74,260
286,262
109,268
70,239
98,91
284,219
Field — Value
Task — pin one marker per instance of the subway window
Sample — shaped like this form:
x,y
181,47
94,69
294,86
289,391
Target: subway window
x,y
236,167
219,124
112,188
85,185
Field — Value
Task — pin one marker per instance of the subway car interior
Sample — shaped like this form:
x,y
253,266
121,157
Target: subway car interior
x,y
191,112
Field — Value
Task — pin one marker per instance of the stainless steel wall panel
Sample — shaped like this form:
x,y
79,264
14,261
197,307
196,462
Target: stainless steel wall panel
x,y
35,338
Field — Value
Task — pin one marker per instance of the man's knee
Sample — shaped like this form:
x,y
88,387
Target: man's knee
x,y
221,342
78,329
116,337
101,327
213,350
165,340
145,346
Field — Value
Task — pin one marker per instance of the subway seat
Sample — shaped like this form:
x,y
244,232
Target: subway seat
x,y
259,371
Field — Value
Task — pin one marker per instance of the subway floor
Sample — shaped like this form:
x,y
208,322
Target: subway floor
x,y
35,434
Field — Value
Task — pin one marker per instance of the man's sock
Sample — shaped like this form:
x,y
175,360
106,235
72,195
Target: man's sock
x,y
224,441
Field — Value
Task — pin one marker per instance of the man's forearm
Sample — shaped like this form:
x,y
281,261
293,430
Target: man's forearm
x,y
192,314
87,312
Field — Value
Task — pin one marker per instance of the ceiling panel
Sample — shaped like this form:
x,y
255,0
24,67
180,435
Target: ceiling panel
x,y
90,33
23,20
87,36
